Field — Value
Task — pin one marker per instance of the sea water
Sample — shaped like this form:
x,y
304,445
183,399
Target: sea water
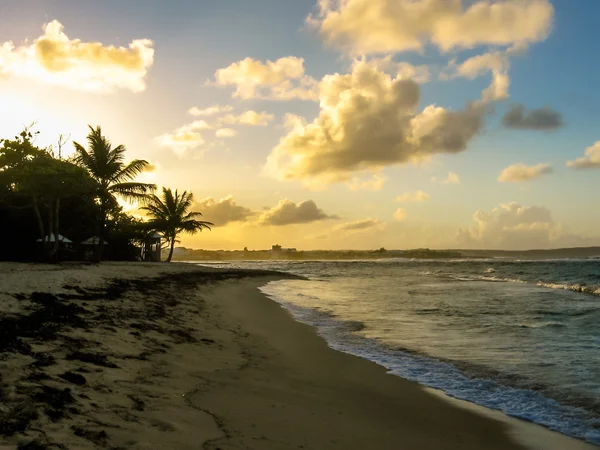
x,y
518,336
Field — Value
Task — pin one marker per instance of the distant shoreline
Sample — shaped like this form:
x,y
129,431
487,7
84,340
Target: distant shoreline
x,y
184,254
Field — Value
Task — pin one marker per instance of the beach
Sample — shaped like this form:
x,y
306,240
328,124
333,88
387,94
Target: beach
x,y
176,356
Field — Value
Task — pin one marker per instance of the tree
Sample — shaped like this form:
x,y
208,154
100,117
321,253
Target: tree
x,y
34,179
106,165
170,215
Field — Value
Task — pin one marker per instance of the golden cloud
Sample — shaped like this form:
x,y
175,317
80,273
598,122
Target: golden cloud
x,y
369,120
184,138
412,196
512,226
249,117
56,59
360,225
288,212
223,211
225,132
400,214
452,178
522,172
210,111
389,26
375,183
283,79
591,160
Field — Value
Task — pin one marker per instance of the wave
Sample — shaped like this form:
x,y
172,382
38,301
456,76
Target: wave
x,y
583,288
542,325
464,381
590,289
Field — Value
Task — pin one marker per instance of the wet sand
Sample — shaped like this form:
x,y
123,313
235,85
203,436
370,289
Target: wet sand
x,y
147,356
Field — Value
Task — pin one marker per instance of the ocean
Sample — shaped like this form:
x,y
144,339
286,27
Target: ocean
x,y
522,337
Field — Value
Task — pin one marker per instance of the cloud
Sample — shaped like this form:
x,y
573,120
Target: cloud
x,y
225,132
536,119
521,172
210,111
223,211
404,70
452,178
249,117
390,26
517,227
412,196
497,63
359,225
375,183
283,79
591,160
368,120
287,213
184,138
56,59
400,214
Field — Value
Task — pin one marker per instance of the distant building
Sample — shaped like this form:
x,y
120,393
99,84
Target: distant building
x,y
277,251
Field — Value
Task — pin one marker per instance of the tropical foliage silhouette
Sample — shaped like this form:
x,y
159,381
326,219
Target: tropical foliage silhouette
x,y
171,214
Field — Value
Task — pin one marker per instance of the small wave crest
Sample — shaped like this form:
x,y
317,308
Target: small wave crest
x,y
583,288
478,385
542,325
575,287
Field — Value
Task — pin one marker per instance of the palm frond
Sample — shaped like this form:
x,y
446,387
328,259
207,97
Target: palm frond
x,y
130,171
131,190
170,213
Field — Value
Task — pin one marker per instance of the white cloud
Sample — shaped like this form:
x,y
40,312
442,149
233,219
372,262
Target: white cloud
x,y
375,183
283,79
412,196
223,211
402,70
249,117
497,63
187,137
56,59
516,227
287,213
390,26
452,178
225,132
400,214
522,172
211,110
591,160
369,120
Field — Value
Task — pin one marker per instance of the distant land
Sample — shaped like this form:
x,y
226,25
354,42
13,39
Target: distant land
x,y
279,253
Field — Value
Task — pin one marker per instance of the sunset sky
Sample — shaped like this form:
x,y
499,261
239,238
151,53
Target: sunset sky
x,y
332,123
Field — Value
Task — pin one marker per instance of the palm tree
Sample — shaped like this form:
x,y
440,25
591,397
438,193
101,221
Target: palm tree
x,y
106,165
170,215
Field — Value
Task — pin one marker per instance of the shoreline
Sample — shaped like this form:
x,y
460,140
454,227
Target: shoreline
x,y
180,356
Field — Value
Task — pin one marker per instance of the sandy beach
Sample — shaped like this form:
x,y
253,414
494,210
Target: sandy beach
x,y
159,356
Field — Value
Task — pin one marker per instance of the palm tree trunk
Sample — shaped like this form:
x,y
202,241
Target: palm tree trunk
x,y
171,250
38,216
56,218
101,232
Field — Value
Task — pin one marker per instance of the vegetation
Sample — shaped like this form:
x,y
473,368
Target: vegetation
x,y
44,196
171,215
106,166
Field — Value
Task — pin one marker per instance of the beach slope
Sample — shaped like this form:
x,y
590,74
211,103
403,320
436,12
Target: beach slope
x,y
157,356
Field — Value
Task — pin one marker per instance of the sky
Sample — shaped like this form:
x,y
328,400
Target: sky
x,y
330,124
